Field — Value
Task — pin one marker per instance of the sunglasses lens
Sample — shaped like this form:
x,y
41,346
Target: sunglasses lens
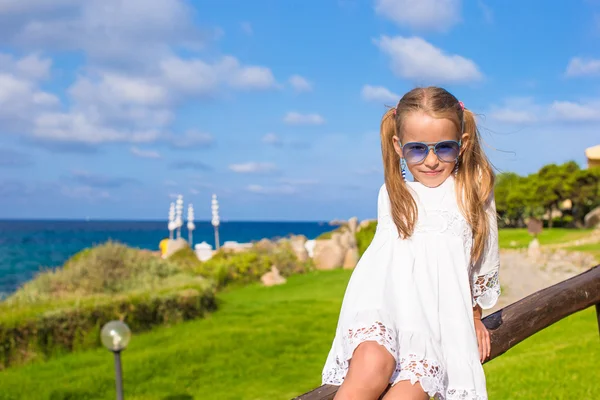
x,y
415,152
447,151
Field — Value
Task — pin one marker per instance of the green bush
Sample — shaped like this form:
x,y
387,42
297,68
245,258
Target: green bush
x,y
227,267
364,237
27,334
108,268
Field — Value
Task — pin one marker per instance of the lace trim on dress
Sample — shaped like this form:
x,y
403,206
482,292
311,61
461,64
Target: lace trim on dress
x,y
429,373
461,394
410,367
486,289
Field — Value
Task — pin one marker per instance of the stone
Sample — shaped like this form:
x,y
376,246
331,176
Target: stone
x,y
328,254
351,258
534,251
353,224
298,247
273,277
174,245
592,219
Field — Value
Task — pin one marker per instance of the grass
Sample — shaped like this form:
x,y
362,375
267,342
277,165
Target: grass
x,y
271,343
522,238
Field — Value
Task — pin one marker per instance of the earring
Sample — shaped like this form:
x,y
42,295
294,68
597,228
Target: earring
x,y
456,168
403,167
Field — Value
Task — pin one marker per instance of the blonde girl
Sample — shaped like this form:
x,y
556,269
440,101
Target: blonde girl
x,y
411,314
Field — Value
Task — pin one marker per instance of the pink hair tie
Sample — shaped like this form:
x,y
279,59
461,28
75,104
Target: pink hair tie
x,y
462,105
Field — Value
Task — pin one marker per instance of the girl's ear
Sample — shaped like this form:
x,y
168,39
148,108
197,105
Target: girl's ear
x,y
397,146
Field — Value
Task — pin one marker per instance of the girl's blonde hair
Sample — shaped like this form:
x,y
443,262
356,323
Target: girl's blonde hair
x,y
474,179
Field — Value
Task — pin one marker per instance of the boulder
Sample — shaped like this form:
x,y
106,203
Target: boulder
x,y
592,219
328,254
353,224
298,244
351,258
534,251
272,277
174,245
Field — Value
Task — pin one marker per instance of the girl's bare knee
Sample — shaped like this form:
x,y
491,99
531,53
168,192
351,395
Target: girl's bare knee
x,y
369,373
373,359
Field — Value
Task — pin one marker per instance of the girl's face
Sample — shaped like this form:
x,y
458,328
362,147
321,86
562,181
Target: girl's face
x,y
420,127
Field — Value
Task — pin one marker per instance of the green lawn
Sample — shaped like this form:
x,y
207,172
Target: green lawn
x,y
548,236
271,343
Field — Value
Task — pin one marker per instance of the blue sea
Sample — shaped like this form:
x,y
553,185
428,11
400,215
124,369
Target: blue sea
x,y
27,247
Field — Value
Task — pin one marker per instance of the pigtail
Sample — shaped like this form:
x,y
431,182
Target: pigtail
x,y
474,184
403,206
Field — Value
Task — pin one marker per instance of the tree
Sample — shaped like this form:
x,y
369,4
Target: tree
x,y
585,193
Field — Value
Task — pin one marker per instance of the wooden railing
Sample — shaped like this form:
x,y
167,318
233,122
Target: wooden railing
x,y
520,320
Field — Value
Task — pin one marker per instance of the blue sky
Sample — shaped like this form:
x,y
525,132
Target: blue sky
x,y
109,108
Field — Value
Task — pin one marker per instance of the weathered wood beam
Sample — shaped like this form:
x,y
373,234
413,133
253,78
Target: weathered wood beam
x,y
518,321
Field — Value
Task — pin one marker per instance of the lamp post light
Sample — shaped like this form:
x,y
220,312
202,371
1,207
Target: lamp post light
x,y
190,224
179,214
115,336
215,219
171,220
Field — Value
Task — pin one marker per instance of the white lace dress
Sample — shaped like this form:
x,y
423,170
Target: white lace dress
x,y
416,298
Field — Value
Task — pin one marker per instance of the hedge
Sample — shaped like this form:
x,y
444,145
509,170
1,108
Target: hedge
x,y
68,329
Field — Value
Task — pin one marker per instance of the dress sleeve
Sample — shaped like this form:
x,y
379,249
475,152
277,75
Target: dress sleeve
x,y
485,284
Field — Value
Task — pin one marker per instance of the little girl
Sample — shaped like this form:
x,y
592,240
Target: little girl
x,y
411,314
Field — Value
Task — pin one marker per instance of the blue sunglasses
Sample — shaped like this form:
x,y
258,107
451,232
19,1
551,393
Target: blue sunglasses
x,y
417,152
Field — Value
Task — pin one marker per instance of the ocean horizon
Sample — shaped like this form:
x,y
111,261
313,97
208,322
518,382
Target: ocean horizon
x,y
28,246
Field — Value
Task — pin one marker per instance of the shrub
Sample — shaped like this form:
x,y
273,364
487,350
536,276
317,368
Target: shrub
x,y
364,237
227,267
27,334
108,268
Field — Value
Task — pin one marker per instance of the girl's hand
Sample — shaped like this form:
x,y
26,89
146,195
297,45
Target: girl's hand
x,y
483,339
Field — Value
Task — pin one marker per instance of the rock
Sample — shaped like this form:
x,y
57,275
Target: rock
x,y
299,248
328,254
351,258
272,277
174,245
265,244
592,219
364,224
353,224
534,251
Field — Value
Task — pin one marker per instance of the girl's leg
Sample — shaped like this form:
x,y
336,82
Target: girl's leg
x,y
369,373
404,390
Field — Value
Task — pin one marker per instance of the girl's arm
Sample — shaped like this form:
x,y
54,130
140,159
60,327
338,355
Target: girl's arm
x,y
486,283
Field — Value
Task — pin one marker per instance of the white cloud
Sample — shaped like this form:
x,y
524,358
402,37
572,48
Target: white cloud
x,y
272,139
571,111
580,67
247,28
136,151
295,118
192,139
281,189
488,14
298,182
434,15
300,84
115,31
525,111
415,58
253,167
199,77
379,94
21,98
